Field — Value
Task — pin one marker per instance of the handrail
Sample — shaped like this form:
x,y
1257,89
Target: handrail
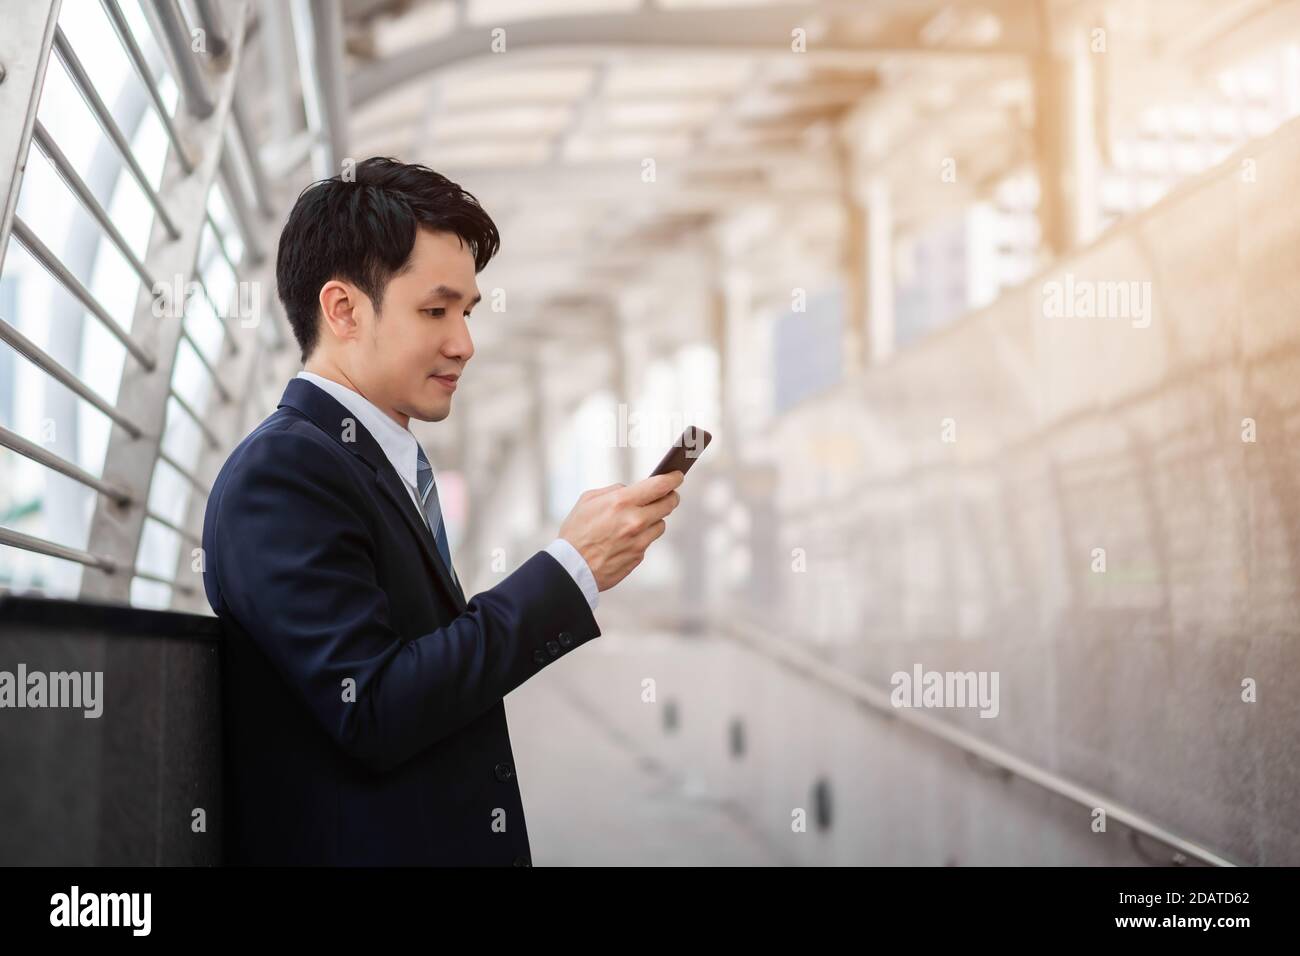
x,y
43,456
187,589
222,391
28,542
81,79
221,246
184,472
52,264
25,347
173,526
760,638
137,58
69,173
194,416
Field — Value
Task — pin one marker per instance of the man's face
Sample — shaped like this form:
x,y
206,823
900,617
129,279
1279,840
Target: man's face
x,y
421,332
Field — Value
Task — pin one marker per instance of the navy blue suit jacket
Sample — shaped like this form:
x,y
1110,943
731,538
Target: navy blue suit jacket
x,y
362,695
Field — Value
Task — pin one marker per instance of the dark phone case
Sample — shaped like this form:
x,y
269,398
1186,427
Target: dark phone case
x,y
684,452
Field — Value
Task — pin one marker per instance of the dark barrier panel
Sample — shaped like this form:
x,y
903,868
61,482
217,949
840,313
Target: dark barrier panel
x,y
139,784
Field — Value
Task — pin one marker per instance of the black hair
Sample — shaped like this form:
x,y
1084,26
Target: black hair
x,y
361,228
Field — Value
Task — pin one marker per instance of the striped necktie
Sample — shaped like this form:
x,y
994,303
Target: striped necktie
x,y
428,490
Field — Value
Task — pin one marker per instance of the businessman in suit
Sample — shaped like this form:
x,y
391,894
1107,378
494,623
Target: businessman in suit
x,y
362,693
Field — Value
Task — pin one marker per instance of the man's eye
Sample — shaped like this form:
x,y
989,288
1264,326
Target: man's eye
x,y
434,312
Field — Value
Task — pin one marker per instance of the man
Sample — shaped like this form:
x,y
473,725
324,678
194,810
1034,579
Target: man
x,y
362,693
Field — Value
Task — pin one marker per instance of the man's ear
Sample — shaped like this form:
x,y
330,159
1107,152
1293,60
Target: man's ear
x,y
337,302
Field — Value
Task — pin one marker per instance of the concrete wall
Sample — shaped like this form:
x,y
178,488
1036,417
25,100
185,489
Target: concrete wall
x,y
1074,433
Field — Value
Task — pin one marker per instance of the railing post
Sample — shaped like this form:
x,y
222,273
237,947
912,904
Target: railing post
x,y
115,529
24,53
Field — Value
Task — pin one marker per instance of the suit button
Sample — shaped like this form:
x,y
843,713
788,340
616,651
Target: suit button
x,y
539,655
503,771
553,648
566,639
523,861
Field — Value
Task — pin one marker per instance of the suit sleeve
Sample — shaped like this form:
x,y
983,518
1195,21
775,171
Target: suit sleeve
x,y
294,559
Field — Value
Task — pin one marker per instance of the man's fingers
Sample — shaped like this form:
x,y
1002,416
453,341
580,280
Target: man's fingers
x,y
652,489
661,508
650,534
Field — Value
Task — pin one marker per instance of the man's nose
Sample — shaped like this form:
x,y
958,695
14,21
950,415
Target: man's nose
x,y
460,345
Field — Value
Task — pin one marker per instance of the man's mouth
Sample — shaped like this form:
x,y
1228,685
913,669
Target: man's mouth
x,y
447,381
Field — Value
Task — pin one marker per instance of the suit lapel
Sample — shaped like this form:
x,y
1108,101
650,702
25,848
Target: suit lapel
x,y
336,421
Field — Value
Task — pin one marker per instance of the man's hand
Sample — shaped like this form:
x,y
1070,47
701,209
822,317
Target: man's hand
x,y
611,527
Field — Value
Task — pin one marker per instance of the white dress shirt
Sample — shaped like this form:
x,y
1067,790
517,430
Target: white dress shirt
x,y
402,449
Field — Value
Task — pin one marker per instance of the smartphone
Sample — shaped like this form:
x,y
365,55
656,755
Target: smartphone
x,y
684,451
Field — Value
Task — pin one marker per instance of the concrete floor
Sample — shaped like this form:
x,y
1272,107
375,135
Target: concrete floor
x,y
593,797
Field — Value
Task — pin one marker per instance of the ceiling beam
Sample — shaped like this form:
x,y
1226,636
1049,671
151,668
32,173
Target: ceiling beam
x,y
758,31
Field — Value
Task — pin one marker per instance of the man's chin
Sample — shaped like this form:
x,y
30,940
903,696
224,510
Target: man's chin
x,y
433,413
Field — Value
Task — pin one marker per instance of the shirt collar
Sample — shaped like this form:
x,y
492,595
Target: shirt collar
x,y
400,447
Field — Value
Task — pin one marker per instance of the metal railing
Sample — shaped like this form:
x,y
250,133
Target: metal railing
x,y
26,542
201,149
109,125
141,66
44,361
42,254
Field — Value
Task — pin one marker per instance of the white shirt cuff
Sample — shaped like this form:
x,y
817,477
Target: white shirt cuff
x,y
573,562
